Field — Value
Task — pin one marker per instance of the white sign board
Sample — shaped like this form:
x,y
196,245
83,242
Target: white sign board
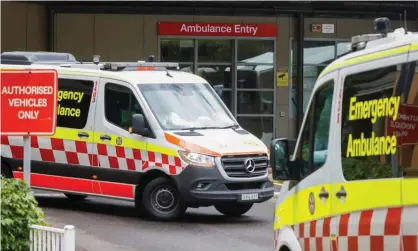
x,y
328,28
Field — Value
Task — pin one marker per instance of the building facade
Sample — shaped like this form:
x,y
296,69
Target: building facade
x,y
247,51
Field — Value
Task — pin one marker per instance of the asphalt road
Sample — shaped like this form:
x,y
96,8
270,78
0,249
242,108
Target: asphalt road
x,y
111,225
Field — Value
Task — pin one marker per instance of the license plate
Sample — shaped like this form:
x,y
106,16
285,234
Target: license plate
x,y
250,196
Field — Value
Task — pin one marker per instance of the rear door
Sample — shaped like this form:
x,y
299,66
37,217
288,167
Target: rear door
x,y
366,198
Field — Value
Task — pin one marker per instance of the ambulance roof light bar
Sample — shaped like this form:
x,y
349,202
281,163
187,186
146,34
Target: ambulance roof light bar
x,y
115,66
381,26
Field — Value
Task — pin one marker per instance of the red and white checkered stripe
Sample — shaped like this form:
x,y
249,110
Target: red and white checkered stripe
x,y
76,152
393,229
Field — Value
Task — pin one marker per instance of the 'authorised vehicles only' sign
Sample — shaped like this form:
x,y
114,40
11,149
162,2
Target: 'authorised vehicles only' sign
x,y
28,102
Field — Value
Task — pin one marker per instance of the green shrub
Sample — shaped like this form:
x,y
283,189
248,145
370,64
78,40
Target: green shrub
x,y
19,210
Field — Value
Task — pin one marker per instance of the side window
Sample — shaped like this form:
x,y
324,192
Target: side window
x,y
120,104
379,114
313,149
73,98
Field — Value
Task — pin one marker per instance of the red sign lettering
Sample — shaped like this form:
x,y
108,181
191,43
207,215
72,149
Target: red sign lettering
x,y
405,127
28,102
217,29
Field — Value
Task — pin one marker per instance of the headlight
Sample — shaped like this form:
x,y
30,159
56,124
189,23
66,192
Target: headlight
x,y
197,159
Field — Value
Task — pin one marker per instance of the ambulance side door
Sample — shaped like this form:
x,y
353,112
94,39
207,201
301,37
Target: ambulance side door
x,y
66,156
366,183
314,158
120,154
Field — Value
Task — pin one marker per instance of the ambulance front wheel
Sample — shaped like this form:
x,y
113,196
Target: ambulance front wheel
x,y
161,200
234,209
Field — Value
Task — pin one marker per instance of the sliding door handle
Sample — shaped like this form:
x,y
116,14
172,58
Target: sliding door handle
x,y
105,137
341,193
83,135
324,195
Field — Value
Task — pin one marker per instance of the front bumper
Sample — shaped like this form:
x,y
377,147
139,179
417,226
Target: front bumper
x,y
200,186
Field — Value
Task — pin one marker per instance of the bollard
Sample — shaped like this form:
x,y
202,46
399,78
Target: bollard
x,y
69,238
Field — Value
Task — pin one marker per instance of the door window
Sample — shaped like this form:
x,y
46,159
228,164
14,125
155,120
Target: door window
x,y
379,115
73,102
120,105
313,147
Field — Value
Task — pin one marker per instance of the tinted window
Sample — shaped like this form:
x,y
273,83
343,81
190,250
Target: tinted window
x,y
120,104
316,131
379,114
73,102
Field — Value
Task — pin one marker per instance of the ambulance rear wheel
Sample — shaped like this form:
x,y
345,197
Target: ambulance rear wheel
x,y
161,200
234,209
75,196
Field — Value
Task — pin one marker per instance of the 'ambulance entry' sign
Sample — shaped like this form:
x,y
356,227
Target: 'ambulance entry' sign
x,y
28,102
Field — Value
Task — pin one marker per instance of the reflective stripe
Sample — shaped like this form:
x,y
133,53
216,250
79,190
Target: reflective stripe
x,y
367,194
410,192
125,142
361,195
366,58
133,143
414,47
72,134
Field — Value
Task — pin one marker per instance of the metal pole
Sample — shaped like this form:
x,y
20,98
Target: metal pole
x,y
299,79
26,159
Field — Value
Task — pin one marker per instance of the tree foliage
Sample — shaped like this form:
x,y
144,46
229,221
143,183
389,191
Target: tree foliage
x,y
19,210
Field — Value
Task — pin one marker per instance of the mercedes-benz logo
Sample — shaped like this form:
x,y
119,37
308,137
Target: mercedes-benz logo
x,y
249,165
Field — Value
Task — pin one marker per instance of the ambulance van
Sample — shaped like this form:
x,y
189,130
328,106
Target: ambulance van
x,y
140,131
352,183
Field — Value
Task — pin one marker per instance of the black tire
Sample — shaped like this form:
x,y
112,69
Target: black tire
x,y
161,200
75,196
234,209
5,171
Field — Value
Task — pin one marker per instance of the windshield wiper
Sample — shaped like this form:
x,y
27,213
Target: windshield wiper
x,y
209,127
199,128
234,126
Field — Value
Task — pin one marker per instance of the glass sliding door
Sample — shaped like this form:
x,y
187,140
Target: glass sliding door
x,y
255,85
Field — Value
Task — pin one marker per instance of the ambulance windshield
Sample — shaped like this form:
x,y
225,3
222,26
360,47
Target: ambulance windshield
x,y
186,106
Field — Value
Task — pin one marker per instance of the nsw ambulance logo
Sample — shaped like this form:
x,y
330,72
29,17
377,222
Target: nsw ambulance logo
x,y
311,203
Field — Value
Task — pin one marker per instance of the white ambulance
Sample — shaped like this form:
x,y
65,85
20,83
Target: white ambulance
x,y
144,132
352,183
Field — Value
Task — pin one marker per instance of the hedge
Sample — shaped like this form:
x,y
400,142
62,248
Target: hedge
x,y
19,210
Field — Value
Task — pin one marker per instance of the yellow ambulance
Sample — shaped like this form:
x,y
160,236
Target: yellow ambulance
x,y
351,184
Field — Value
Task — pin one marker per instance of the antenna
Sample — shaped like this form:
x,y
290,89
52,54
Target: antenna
x,y
406,28
400,20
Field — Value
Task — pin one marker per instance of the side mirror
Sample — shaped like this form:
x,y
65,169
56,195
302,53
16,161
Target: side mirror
x,y
138,125
279,160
